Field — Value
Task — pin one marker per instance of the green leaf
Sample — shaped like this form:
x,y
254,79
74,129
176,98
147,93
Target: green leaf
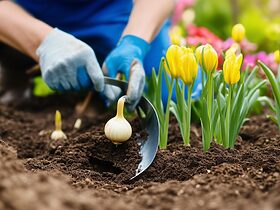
x,y
152,86
218,78
266,100
218,133
196,107
272,80
236,111
278,115
215,117
249,79
273,118
174,110
257,87
41,89
244,75
158,89
206,129
221,122
179,98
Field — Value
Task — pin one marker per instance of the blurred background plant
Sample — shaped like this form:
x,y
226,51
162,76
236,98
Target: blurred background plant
x,y
202,21
41,89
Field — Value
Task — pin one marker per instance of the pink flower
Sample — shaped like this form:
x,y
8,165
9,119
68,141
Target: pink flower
x,y
179,9
249,60
246,46
268,59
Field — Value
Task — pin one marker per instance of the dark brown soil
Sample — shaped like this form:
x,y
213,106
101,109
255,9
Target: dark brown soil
x,y
86,171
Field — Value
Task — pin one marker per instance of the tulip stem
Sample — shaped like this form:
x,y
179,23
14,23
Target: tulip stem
x,y
183,109
188,117
278,74
164,137
228,114
209,94
202,73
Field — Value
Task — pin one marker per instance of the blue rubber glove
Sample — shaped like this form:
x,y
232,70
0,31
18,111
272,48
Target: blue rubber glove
x,y
68,63
127,58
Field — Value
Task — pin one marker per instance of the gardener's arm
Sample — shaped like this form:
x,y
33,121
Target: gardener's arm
x,y
147,18
145,21
66,63
20,30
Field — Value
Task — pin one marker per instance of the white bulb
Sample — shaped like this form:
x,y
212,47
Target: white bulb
x,y
58,135
118,129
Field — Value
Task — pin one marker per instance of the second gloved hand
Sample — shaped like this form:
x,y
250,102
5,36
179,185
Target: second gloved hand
x,y
127,58
69,64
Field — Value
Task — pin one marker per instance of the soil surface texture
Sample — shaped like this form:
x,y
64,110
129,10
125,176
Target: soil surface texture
x,y
87,171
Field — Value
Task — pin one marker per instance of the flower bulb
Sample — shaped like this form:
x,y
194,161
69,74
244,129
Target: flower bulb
x,y
118,129
58,134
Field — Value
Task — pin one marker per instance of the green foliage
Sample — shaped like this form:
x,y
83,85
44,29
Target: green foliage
x,y
222,108
182,110
154,95
261,22
275,84
254,21
260,29
216,15
207,117
41,89
233,105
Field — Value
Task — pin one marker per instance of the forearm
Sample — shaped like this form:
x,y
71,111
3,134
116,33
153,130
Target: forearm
x,y
20,30
147,17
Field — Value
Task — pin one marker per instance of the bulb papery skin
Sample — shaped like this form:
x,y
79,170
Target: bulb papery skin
x,y
118,130
58,135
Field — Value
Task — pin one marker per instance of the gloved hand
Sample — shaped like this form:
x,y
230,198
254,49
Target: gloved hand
x,y
127,58
68,63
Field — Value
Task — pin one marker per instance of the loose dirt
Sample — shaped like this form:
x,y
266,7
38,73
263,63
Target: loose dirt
x,y
87,171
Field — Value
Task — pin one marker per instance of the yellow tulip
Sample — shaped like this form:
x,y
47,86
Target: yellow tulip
x,y
175,39
189,69
277,56
232,50
231,69
177,30
238,33
207,57
173,56
198,54
176,35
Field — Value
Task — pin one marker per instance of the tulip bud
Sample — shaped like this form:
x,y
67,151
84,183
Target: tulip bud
x,y
231,69
189,66
176,35
207,57
277,56
232,50
238,33
118,129
198,54
173,57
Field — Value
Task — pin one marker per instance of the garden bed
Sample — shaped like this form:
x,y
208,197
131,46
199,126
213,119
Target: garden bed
x,y
86,171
